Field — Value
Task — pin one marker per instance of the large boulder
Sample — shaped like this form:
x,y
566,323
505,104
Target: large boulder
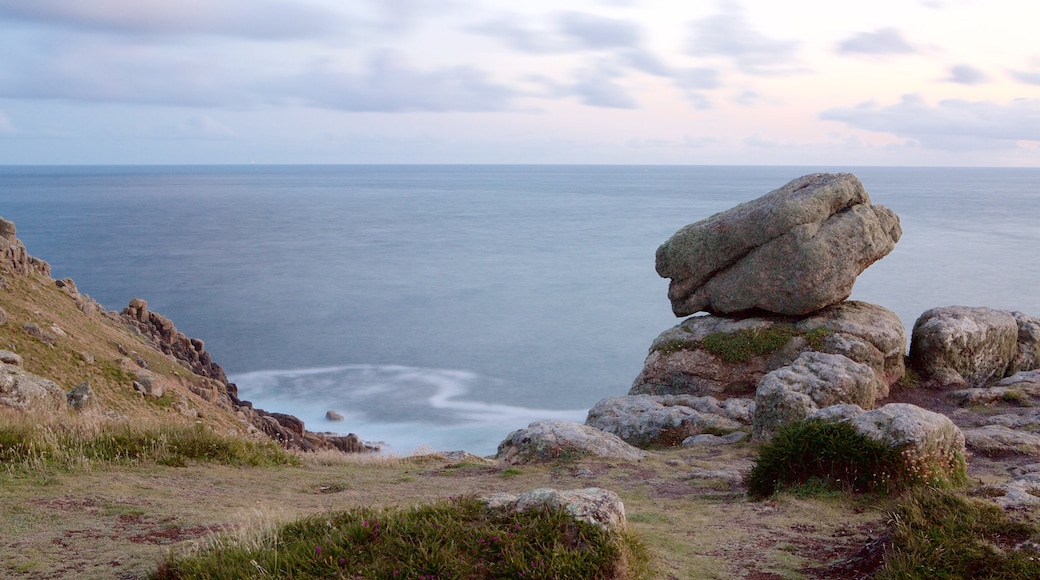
x,y
25,391
666,421
964,346
556,440
592,505
792,251
686,359
813,381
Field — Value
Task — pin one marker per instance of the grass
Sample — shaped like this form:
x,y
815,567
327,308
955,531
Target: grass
x,y
814,457
28,444
939,534
456,538
742,345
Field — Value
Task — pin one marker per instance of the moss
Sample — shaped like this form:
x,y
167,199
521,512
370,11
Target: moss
x,y
740,346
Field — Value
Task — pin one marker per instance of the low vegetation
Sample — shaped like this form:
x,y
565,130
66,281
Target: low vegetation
x,y
740,346
939,534
457,538
820,456
29,444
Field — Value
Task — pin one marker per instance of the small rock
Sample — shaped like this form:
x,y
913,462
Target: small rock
x,y
333,416
707,439
81,396
1000,441
556,440
10,358
664,421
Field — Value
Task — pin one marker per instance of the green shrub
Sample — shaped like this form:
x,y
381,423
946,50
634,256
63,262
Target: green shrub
x,y
459,538
938,534
834,456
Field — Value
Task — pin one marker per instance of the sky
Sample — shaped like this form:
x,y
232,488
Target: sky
x,y
745,82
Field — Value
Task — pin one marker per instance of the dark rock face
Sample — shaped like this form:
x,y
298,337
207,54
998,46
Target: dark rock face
x,y
189,351
793,251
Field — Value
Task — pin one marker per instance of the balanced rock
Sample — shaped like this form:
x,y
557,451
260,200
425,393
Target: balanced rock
x,y
666,421
792,251
552,440
813,381
687,359
964,346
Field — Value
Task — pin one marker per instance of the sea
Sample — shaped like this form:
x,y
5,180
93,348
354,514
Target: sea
x,y
440,307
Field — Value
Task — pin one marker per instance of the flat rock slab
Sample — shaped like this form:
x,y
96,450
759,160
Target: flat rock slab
x,y
792,251
600,507
1001,441
555,440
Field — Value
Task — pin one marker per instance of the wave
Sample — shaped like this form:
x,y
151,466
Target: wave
x,y
403,408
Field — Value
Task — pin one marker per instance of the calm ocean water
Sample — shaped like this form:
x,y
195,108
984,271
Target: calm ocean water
x,y
443,306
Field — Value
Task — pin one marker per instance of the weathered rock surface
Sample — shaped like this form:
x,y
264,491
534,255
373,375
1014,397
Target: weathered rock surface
x,y
1018,492
709,440
551,440
1021,388
665,421
1027,357
591,505
80,397
813,381
930,436
25,391
1001,441
964,346
679,364
792,251
191,352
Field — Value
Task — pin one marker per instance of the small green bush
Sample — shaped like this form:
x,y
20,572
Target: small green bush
x,y
939,534
459,538
832,456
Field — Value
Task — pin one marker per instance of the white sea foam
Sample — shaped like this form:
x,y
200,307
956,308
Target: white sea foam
x,y
405,408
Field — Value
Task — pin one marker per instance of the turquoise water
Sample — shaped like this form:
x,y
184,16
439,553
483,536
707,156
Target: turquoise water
x,y
443,306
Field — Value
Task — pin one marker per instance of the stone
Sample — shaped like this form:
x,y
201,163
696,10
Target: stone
x,y
10,358
1021,388
25,391
665,421
151,383
813,381
1027,355
81,397
592,505
1021,491
554,440
3,316
1001,441
40,334
929,436
792,251
963,346
333,416
678,363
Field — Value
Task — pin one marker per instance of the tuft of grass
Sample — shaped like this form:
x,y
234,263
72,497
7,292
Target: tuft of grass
x,y
32,446
457,538
939,534
813,457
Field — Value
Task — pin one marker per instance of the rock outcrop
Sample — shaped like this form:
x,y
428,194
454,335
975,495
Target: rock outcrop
x,y
25,391
968,346
792,251
813,381
191,352
14,255
682,360
554,440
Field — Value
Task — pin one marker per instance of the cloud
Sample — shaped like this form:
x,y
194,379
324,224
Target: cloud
x,y
1030,77
598,32
390,84
203,126
265,19
963,74
730,35
950,124
881,42
598,88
